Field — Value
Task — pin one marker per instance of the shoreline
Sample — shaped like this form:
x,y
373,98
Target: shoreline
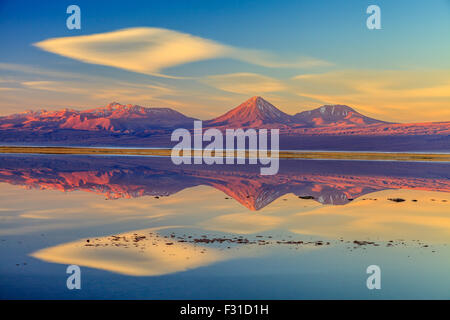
x,y
291,154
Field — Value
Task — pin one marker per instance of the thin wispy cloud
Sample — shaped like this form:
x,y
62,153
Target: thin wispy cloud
x,y
245,83
397,95
151,50
40,88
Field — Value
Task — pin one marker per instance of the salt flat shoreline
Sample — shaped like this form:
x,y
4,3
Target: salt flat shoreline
x,y
331,155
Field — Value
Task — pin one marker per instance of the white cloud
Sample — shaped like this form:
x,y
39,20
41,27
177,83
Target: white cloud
x,y
144,50
151,50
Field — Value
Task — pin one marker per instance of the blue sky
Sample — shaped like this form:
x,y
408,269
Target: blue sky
x,y
307,53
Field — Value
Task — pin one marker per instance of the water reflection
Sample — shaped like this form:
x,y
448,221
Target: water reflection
x,y
328,182
137,253
144,217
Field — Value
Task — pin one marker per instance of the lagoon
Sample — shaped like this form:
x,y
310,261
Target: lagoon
x,y
141,227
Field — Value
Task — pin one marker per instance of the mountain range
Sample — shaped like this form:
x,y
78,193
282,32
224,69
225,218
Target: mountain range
x,y
114,118
257,112
329,127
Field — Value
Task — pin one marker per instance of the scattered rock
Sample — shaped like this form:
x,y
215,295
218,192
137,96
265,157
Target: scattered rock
x,y
396,199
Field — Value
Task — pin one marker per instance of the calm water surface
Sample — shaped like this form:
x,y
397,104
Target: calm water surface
x,y
140,227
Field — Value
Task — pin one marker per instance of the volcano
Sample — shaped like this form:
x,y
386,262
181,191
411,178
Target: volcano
x,y
334,115
254,113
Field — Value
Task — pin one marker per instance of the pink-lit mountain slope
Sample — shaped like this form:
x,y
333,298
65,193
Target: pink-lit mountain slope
x,y
334,116
114,118
255,112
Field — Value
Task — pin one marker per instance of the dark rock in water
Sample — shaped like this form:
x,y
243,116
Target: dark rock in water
x,y
396,199
363,243
414,200
306,197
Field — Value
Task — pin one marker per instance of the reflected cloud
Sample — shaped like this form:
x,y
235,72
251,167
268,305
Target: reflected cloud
x,y
170,249
426,218
128,254
242,223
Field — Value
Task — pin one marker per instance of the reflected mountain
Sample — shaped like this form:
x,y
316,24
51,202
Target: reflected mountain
x,y
327,181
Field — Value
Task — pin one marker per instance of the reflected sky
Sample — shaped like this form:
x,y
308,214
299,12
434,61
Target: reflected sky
x,y
326,208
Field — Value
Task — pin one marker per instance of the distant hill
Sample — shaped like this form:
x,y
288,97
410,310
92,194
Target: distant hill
x,y
334,115
114,117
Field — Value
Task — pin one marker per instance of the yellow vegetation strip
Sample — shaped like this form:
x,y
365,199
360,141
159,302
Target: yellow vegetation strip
x,y
282,154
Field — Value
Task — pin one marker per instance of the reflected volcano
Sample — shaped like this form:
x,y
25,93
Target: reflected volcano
x,y
328,182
